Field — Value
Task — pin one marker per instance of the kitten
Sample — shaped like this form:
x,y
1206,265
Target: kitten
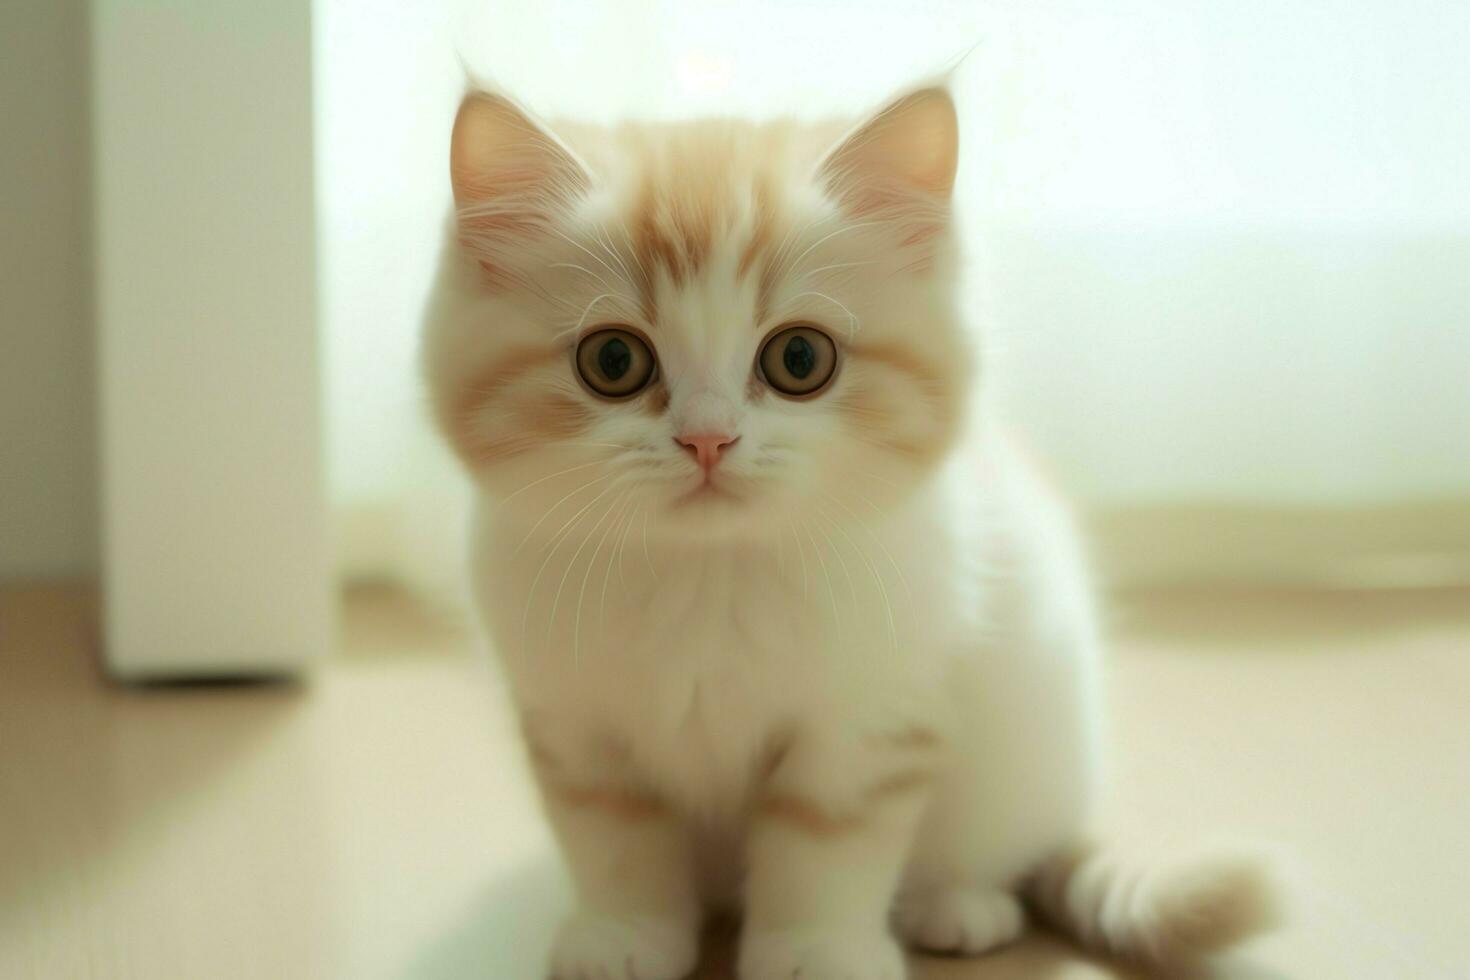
x,y
788,623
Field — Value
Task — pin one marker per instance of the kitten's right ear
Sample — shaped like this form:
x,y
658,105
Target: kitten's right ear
x,y
509,175
911,147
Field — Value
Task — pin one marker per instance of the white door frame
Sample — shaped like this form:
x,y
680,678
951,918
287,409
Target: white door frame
x,y
215,555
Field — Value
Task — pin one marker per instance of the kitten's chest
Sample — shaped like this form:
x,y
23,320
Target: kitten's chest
x,y
703,663
705,675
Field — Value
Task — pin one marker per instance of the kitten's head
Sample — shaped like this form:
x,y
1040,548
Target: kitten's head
x,y
709,327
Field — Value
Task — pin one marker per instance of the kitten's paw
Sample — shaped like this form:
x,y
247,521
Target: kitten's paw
x,y
813,954
599,947
959,921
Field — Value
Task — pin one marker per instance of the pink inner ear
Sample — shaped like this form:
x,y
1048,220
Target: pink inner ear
x,y
906,153
922,234
498,277
505,177
877,198
509,175
494,275
476,222
496,149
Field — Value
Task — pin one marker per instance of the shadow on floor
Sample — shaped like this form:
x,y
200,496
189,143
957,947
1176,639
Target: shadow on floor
x,y
505,933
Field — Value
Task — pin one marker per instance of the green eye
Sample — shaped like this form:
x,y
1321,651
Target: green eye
x,y
615,363
798,360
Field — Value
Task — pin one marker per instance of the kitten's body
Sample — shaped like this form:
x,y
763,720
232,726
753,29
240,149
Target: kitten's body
x,y
847,673
696,663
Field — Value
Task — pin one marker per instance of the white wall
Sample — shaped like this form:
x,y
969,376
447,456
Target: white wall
x,y
1296,365
47,441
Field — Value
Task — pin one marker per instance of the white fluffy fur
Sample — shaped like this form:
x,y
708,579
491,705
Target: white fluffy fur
x,y
862,696
1171,914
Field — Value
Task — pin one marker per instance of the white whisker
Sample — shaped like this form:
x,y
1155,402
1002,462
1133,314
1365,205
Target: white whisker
x,y
835,265
620,526
535,527
633,251
781,557
908,593
646,556
842,563
801,554
831,592
605,240
566,573
588,309
845,229
622,581
571,469
584,270
591,254
877,579
591,564
852,320
557,539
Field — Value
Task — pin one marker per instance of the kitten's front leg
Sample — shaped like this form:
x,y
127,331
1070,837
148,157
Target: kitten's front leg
x,y
637,916
826,848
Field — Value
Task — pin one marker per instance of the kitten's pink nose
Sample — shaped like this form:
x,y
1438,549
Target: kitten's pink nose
x,y
706,449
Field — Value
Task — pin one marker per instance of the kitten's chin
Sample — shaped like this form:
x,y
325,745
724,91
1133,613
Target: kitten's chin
x,y
707,495
713,509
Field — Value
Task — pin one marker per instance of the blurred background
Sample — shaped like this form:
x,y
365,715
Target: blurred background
x,y
1220,252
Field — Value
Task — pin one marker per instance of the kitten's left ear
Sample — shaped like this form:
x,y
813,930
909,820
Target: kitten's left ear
x,y
497,150
909,149
511,179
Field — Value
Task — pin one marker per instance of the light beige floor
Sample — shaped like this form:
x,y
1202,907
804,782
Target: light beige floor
x,y
376,822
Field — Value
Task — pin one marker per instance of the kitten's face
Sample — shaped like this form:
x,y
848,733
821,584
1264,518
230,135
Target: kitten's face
x,y
706,328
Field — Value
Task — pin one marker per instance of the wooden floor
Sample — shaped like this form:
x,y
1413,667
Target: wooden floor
x,y
376,821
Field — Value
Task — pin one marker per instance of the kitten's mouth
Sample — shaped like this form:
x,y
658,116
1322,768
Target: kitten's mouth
x,y
708,491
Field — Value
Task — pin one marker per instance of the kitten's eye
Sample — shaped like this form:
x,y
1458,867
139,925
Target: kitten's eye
x,y
798,360
615,363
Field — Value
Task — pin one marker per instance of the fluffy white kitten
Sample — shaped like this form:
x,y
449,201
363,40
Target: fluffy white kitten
x,y
788,624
